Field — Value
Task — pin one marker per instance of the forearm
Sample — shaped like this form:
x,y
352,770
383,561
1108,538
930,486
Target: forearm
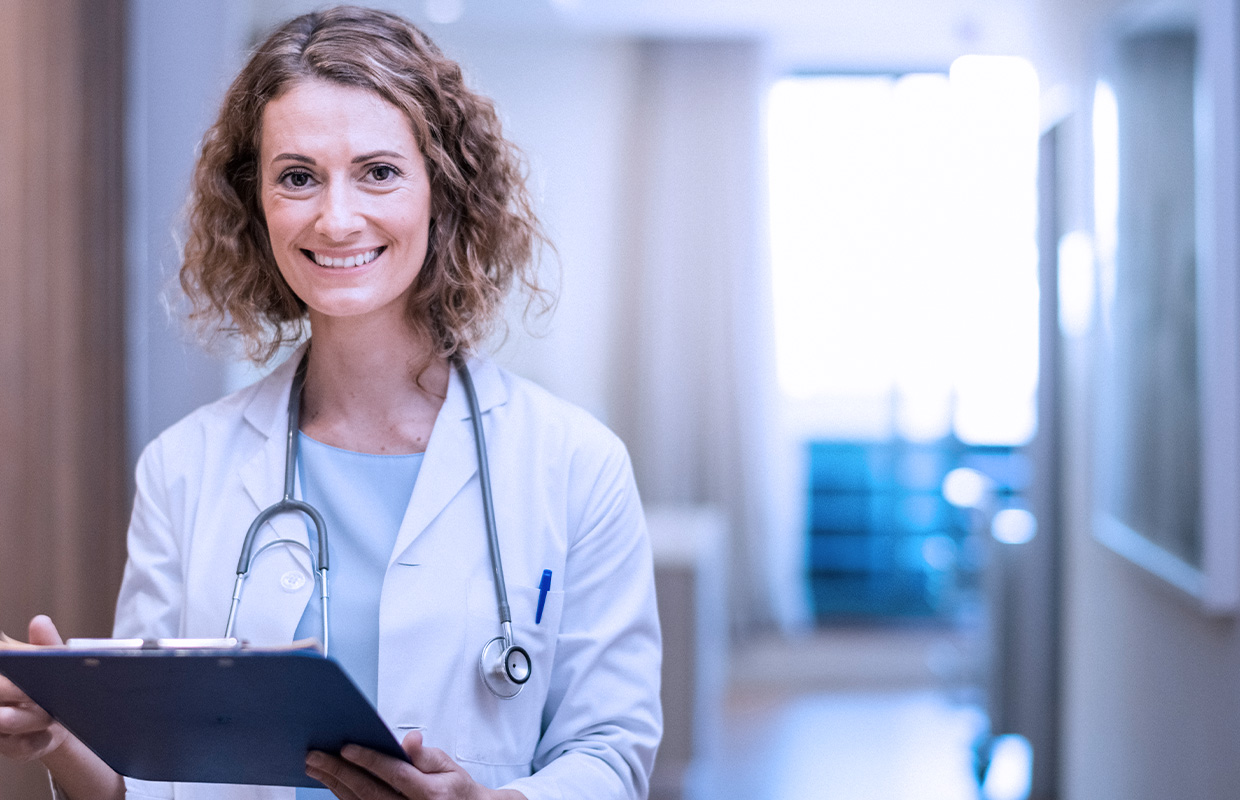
x,y
82,775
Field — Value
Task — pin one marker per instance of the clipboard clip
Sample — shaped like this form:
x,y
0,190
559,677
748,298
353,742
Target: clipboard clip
x,y
230,643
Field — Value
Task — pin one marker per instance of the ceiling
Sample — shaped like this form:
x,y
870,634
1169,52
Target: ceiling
x,y
802,34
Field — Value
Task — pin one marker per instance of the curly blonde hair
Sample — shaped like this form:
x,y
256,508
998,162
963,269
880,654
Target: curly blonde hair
x,y
484,234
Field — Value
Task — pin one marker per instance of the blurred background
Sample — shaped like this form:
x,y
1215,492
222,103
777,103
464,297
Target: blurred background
x,y
918,318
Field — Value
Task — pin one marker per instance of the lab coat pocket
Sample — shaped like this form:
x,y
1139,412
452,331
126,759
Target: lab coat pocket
x,y
505,731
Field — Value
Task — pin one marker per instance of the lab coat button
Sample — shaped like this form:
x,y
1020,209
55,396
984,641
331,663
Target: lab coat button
x,y
292,580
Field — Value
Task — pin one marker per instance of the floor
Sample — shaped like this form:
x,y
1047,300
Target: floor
x,y
848,714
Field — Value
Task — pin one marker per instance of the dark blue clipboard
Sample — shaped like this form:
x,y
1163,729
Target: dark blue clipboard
x,y
202,716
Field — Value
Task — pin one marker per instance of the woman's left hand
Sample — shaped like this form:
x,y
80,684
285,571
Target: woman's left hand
x,y
363,774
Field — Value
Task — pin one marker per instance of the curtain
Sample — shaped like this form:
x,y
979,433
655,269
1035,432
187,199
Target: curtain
x,y
694,355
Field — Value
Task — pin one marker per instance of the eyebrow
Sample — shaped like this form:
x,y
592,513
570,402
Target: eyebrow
x,y
356,160
377,154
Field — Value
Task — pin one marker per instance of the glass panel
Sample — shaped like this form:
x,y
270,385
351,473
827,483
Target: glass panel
x,y
1144,138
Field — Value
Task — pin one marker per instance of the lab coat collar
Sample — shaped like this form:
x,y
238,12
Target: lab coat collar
x,y
450,460
267,411
449,463
262,474
488,384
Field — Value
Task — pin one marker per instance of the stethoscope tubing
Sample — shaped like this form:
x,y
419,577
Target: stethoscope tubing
x,y
288,503
488,505
516,672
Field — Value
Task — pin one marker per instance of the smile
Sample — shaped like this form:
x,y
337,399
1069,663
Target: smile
x,y
346,262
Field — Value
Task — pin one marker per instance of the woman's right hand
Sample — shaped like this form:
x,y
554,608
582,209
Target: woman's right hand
x,y
26,731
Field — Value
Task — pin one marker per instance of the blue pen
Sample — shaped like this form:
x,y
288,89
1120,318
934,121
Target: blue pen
x,y
544,586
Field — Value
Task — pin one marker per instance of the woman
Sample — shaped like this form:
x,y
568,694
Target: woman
x,y
353,182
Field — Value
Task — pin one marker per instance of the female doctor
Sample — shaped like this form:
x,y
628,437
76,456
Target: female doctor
x,y
353,182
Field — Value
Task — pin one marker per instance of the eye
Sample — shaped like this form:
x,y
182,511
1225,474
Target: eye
x,y
383,173
295,179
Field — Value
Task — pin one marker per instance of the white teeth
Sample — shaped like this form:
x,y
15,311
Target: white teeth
x,y
350,261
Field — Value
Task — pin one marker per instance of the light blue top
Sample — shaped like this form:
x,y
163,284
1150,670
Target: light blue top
x,y
362,498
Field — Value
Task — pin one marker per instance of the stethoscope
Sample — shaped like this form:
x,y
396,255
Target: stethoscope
x,y
504,666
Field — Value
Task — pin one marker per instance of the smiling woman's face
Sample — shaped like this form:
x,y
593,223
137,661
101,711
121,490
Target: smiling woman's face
x,y
346,197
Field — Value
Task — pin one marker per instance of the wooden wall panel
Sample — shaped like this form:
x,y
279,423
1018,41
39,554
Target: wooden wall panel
x,y
63,487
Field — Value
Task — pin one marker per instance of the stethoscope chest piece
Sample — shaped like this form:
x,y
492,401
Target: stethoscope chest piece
x,y
504,669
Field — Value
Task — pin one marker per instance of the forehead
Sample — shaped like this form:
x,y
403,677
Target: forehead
x,y
318,115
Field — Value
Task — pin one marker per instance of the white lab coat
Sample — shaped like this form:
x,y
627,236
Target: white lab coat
x,y
588,722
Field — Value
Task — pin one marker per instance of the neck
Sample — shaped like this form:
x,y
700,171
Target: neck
x,y
372,386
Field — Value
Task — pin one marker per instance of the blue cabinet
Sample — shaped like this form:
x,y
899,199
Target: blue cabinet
x,y
882,539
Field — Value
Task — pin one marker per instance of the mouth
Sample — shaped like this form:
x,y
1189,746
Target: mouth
x,y
357,260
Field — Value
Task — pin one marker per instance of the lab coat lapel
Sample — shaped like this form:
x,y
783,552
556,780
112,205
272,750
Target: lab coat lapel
x,y
262,474
451,459
269,613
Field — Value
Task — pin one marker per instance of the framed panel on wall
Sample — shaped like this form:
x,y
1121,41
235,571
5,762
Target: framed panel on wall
x,y
1167,485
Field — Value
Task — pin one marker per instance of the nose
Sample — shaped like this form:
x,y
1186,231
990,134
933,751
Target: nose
x,y
339,216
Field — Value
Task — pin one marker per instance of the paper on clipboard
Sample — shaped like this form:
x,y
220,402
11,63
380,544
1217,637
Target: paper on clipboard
x,y
165,712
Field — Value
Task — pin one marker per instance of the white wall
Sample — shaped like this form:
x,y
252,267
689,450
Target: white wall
x,y
181,57
565,101
1151,685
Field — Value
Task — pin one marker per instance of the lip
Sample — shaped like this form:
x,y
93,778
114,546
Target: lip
x,y
336,260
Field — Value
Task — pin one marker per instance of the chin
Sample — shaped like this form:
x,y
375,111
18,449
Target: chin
x,y
355,307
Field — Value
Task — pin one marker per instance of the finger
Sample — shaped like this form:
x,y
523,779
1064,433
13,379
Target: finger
x,y
10,694
411,743
25,748
320,769
43,631
426,759
332,784
26,718
391,771
344,779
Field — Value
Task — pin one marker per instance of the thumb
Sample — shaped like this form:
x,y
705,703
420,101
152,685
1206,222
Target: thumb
x,y
43,631
428,760
412,745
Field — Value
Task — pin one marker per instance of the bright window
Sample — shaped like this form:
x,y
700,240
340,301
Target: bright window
x,y
903,216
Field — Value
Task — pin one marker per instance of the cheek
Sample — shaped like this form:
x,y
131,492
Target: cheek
x,y
280,223
418,211
280,234
415,227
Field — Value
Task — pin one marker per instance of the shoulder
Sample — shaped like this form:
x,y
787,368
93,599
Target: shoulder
x,y
551,420
561,454
250,413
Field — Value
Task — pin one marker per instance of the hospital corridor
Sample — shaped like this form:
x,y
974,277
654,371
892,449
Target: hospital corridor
x,y
852,388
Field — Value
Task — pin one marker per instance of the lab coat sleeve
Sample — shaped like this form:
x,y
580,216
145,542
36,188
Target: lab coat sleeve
x,y
151,597
134,790
149,604
603,720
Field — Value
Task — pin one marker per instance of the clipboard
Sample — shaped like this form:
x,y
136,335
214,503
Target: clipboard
x,y
159,711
